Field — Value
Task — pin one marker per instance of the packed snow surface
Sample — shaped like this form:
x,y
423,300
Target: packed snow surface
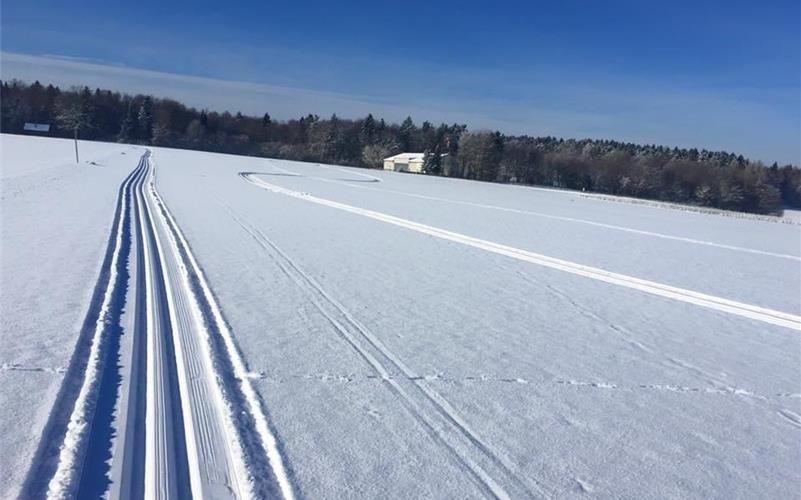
x,y
177,321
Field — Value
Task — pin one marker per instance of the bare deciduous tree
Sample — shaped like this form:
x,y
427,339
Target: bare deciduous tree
x,y
73,116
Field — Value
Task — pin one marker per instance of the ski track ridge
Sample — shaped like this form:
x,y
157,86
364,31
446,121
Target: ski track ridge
x,y
234,372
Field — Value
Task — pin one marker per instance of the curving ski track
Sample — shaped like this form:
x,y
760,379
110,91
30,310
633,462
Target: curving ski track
x,y
156,402
720,304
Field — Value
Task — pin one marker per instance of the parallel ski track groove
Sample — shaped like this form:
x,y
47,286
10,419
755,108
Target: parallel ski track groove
x,y
215,441
185,425
132,469
750,311
264,454
575,220
654,234
168,467
445,426
58,460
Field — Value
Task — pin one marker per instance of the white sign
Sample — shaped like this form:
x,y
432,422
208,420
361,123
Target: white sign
x,y
37,127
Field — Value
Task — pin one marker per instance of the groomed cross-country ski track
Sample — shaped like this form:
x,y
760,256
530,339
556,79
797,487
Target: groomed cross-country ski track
x,y
766,315
362,335
187,422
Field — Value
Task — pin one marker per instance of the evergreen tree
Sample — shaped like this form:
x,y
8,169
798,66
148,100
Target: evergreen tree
x,y
432,161
129,126
368,130
145,120
406,134
51,96
332,145
427,156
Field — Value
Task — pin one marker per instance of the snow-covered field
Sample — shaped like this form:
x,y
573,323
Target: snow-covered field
x,y
177,321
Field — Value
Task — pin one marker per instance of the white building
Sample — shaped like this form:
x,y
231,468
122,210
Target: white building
x,y
405,162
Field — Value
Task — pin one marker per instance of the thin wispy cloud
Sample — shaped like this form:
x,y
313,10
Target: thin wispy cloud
x,y
715,75
604,107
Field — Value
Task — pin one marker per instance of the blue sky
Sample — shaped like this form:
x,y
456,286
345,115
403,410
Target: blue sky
x,y
720,75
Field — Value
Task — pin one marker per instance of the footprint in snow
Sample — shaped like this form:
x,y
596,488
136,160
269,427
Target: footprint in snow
x,y
583,485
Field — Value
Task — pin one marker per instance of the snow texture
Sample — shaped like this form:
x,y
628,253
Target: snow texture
x,y
330,332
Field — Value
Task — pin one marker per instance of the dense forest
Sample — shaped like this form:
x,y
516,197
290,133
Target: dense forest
x,y
706,178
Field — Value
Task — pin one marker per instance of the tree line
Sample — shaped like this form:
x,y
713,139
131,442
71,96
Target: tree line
x,y
706,178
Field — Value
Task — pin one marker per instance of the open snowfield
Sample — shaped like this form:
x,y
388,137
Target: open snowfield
x,y
176,321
